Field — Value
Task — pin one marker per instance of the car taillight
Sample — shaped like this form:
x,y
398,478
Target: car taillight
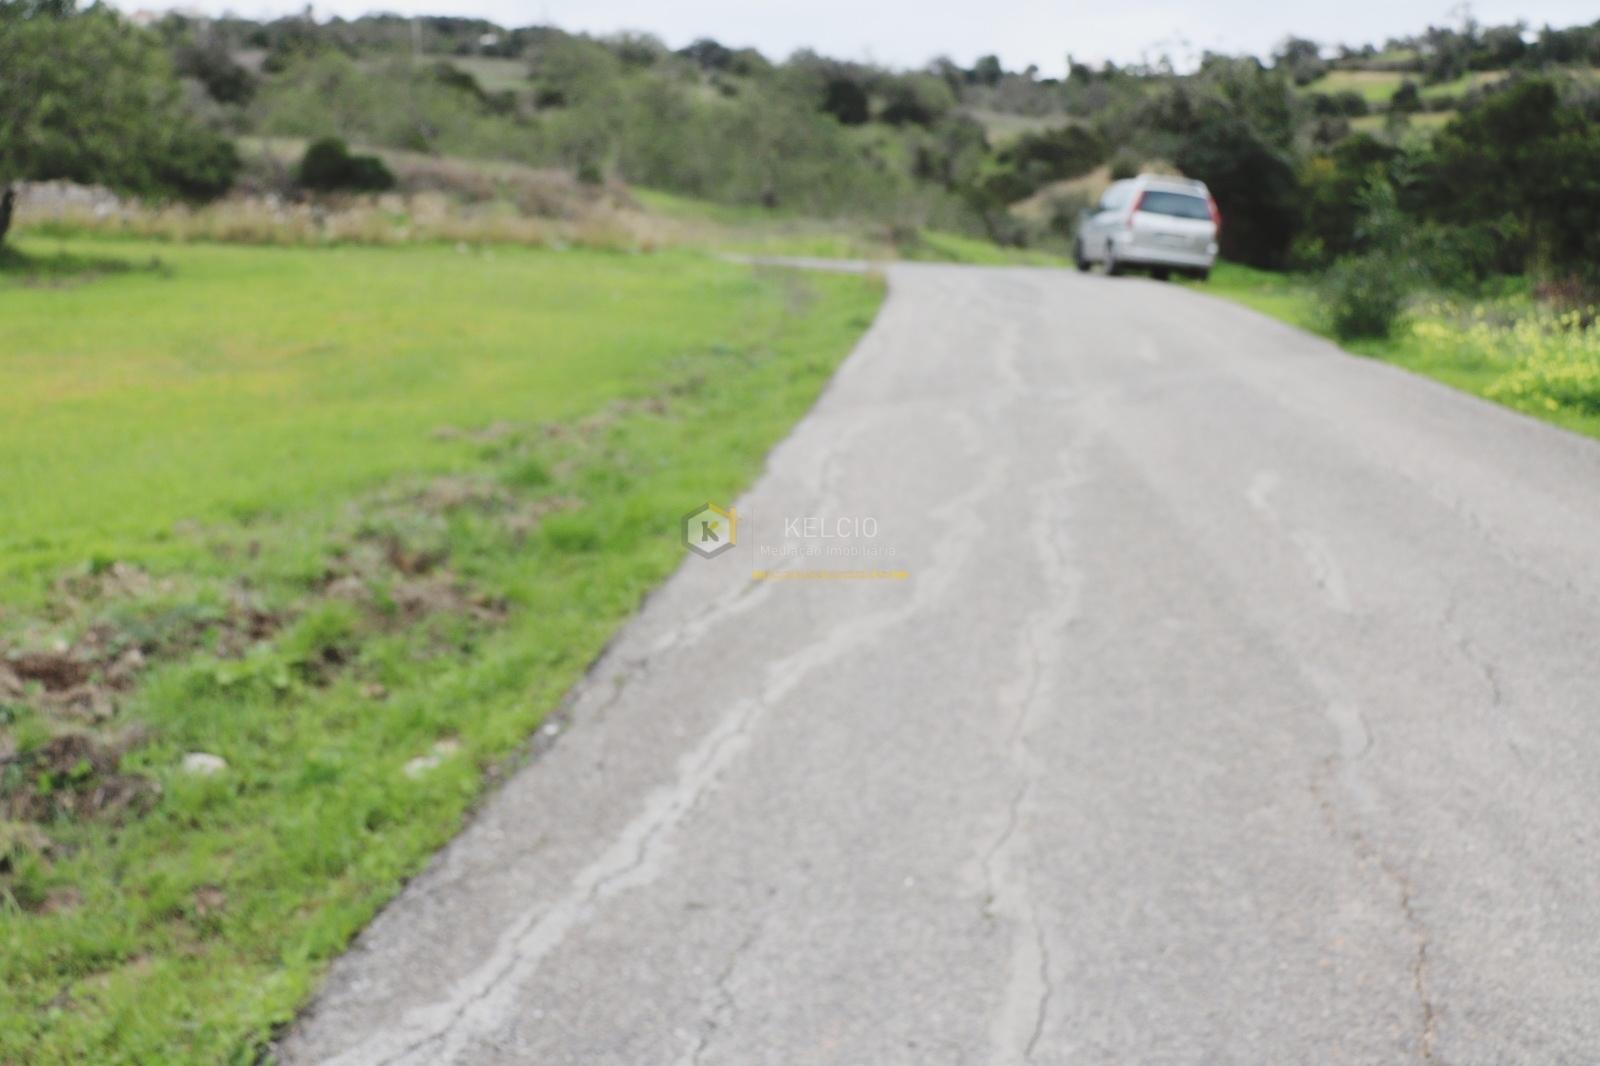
x,y
1137,200
1216,213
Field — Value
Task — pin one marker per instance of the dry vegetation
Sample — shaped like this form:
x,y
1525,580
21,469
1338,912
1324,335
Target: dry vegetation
x,y
437,199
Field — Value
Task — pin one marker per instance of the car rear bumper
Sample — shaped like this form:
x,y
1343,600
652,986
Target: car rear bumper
x,y
1145,253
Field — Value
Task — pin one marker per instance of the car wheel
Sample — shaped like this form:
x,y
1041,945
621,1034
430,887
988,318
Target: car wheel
x,y
1114,269
1079,259
1203,274
1161,273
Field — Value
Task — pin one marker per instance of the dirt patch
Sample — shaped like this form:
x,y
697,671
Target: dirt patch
x,y
67,685
601,421
493,433
444,593
463,493
74,775
245,624
18,839
398,584
523,520
86,680
410,561
84,704
56,671
99,584
209,900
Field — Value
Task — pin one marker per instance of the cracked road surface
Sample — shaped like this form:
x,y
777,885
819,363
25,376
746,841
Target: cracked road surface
x,y
1242,705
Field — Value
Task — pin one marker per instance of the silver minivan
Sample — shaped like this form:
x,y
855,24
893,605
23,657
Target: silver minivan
x,y
1152,222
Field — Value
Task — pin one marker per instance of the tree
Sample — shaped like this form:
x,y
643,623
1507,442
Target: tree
x,y
988,70
709,54
85,97
1525,166
847,101
1331,194
17,10
953,153
1253,184
1406,99
1302,59
916,100
1040,157
209,63
571,70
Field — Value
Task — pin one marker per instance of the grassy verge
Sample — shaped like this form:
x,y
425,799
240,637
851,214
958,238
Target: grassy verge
x,y
350,521
504,204
1505,349
757,231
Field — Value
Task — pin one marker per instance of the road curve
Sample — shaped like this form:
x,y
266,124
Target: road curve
x,y
1241,704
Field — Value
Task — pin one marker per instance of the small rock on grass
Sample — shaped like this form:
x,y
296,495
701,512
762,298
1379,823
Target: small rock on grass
x,y
442,750
203,764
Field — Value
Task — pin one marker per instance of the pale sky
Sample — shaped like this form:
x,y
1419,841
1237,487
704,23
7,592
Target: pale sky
x,y
907,33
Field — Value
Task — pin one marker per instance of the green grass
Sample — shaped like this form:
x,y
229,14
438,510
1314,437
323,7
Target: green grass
x,y
240,355
1377,87
1426,122
753,230
270,425
1467,82
1395,56
1374,86
1504,349
495,74
1004,126
1286,297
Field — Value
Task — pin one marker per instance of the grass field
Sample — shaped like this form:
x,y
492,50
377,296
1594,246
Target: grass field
x,y
351,520
1374,86
1421,121
495,74
1378,86
1004,126
758,231
1505,349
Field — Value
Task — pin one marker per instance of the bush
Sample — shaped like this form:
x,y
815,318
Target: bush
x,y
1040,157
847,101
1345,104
1124,165
916,100
1254,184
328,166
195,164
1362,297
1555,354
1456,258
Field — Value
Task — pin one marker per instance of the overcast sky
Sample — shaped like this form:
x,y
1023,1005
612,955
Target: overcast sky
x,y
910,32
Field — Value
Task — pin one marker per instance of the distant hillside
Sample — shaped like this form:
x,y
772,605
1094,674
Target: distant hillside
x,y
1010,156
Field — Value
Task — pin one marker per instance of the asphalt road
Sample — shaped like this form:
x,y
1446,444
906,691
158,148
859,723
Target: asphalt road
x,y
1241,705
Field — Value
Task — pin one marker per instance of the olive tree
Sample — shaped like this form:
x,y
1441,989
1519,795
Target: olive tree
x,y
86,97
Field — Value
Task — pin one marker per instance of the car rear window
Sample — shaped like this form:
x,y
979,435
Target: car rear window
x,y
1176,204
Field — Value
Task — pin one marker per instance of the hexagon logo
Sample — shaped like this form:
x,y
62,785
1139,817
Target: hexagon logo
x,y
709,530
